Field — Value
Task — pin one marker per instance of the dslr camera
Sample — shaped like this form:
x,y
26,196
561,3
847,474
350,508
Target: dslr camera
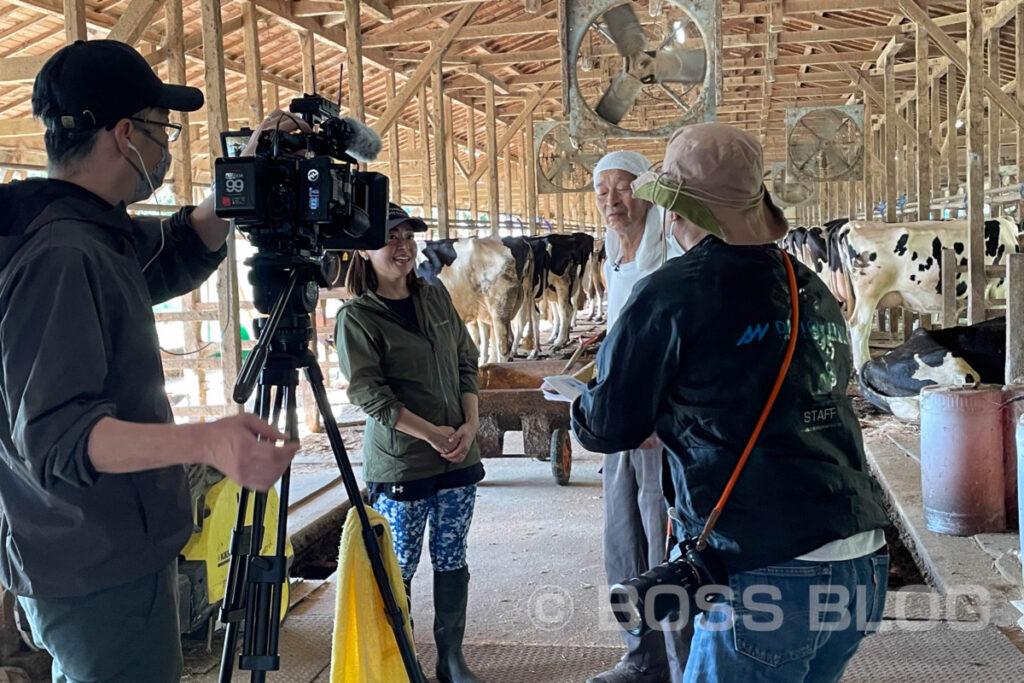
x,y
302,193
683,584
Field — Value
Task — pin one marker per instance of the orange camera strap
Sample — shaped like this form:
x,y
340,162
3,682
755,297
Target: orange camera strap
x,y
702,541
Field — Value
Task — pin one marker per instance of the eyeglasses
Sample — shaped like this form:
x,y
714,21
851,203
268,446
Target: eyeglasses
x,y
173,130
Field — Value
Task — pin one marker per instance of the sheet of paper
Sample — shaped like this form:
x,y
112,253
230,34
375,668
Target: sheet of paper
x,y
563,388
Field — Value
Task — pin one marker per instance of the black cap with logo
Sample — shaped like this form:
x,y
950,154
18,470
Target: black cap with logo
x,y
397,216
96,83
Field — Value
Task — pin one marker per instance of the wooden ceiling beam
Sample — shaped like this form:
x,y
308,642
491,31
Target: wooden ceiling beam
x,y
396,106
913,12
476,32
531,104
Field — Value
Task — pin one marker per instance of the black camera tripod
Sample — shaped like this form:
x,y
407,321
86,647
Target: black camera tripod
x,y
253,594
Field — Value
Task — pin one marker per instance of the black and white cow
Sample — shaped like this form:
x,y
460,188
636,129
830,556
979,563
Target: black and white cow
x,y
567,256
527,316
482,278
954,356
898,264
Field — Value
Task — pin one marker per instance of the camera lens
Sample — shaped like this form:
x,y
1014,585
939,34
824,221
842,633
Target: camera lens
x,y
654,596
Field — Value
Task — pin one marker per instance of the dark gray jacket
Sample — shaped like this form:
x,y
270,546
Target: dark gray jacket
x,y
78,343
694,357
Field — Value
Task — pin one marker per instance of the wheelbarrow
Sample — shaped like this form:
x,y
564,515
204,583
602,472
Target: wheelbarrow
x,y
511,400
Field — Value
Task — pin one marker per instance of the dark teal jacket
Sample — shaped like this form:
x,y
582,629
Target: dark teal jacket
x,y
693,357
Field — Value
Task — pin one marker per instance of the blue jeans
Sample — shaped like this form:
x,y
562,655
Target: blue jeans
x,y
794,621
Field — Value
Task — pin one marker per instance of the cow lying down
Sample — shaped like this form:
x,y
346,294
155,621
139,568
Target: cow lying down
x,y
949,357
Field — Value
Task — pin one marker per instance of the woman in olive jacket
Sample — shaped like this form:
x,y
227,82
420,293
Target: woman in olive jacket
x,y
412,368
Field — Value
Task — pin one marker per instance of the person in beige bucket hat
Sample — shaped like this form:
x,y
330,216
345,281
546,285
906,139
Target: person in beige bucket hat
x,y
802,533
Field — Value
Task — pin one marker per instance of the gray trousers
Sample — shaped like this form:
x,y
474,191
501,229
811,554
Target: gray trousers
x,y
125,634
635,524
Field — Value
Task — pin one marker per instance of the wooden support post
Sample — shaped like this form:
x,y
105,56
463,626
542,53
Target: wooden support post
x,y
907,158
509,202
182,167
889,144
530,188
952,146
354,60
869,197
492,159
217,122
1019,51
253,66
307,47
453,154
522,174
948,277
560,211
74,21
975,171
1015,317
901,175
176,73
993,120
924,125
394,147
936,119
440,150
474,196
427,193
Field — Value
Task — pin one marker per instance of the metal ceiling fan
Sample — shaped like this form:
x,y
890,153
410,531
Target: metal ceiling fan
x,y
563,163
669,63
630,75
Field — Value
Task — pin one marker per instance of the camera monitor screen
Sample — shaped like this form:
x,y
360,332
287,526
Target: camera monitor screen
x,y
233,142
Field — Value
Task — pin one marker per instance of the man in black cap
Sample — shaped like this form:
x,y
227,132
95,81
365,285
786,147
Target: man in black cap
x,y
94,494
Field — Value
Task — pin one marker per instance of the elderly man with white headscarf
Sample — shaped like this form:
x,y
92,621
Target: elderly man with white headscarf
x,y
634,506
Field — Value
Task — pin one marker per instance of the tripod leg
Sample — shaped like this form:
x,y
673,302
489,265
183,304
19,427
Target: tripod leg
x,y
370,539
232,610
267,573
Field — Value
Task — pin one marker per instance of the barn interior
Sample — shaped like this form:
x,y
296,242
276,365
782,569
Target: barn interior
x,y
492,116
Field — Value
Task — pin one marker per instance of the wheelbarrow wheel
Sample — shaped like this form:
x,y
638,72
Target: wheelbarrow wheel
x,y
561,455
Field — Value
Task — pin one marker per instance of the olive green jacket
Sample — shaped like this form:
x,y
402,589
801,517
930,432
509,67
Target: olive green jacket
x,y
389,366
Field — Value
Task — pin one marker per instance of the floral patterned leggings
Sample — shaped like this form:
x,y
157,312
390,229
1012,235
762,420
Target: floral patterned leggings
x,y
450,512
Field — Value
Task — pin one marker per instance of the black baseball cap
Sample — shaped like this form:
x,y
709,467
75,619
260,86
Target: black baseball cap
x,y
95,83
397,216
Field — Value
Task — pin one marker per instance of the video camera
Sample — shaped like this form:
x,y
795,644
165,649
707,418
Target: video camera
x,y
291,198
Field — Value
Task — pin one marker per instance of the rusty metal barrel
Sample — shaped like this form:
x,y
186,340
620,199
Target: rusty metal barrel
x,y
962,469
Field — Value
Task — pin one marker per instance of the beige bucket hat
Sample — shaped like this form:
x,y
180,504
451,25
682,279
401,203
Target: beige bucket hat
x,y
722,168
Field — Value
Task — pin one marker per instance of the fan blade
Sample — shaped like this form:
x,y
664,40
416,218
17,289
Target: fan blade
x,y
557,169
680,66
588,161
625,30
619,97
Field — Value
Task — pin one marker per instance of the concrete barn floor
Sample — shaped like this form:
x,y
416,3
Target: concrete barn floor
x,y
538,609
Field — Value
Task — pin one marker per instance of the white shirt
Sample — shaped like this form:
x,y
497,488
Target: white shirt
x,y
849,548
620,286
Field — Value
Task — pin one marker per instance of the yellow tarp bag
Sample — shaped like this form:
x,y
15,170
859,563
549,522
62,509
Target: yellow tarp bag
x,y
364,648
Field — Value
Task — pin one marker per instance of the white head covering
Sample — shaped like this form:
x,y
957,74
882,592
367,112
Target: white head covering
x,y
652,251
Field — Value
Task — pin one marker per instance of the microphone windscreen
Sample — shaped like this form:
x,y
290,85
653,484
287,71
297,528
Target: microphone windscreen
x,y
363,143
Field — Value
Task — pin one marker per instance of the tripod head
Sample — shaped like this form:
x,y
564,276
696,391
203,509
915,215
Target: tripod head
x,y
286,288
